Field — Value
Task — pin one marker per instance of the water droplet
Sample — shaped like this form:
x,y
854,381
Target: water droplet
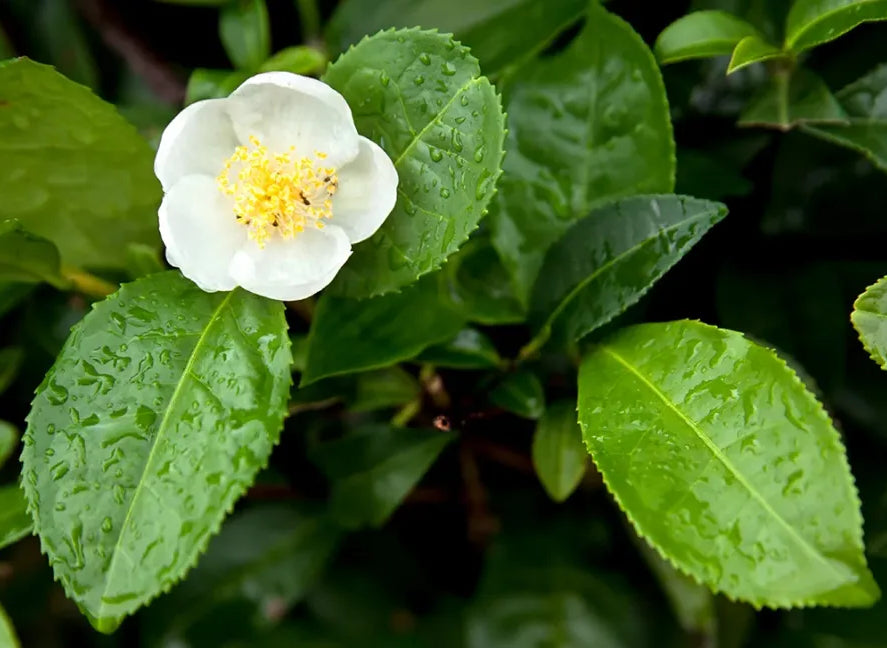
x,y
419,80
436,155
448,69
107,525
425,58
479,153
384,79
444,192
464,100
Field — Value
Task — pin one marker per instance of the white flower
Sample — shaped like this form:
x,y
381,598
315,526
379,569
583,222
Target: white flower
x,y
269,188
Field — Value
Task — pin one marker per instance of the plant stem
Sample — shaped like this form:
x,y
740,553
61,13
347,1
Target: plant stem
x,y
406,413
88,284
309,16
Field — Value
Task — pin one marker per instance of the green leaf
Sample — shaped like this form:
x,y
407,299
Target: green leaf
x,y
350,335
11,294
792,99
752,49
163,404
865,129
373,469
520,393
213,84
559,455
245,32
500,33
701,34
470,349
869,318
301,59
56,36
269,556
11,359
71,169
585,125
609,260
814,22
143,260
8,440
8,639
726,464
27,258
15,523
480,286
420,95
391,387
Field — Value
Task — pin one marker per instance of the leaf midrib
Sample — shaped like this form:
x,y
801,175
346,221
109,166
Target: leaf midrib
x,y
716,451
161,429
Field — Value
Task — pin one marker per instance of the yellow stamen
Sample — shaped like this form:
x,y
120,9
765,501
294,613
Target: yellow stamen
x,y
277,192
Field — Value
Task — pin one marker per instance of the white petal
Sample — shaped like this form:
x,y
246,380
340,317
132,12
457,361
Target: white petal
x,y
197,226
284,109
367,192
291,269
198,141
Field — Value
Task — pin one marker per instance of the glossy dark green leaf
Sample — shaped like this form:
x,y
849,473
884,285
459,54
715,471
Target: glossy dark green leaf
x,y
268,556
865,129
391,387
791,100
8,638
12,294
499,33
301,59
57,37
520,393
814,22
470,349
27,258
163,404
609,260
726,464
704,175
585,125
350,335
245,32
213,84
11,359
480,287
559,455
752,49
71,169
869,318
373,469
701,34
421,96
15,523
8,440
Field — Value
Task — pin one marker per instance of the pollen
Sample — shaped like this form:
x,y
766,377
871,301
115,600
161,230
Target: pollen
x,y
278,193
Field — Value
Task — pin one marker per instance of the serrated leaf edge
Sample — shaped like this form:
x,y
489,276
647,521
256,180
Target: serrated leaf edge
x,y
873,353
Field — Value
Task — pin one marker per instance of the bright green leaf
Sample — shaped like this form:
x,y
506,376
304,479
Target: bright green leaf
x,y
752,49
27,258
8,440
792,99
269,556
71,169
609,260
814,22
585,125
15,523
869,318
11,359
726,464
520,393
480,286
350,335
559,456
213,84
499,32
391,387
298,60
8,639
701,34
245,32
865,129
163,404
420,95
373,469
470,349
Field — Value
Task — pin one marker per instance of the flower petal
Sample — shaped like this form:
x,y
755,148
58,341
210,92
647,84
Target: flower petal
x,y
198,141
284,109
291,269
367,192
197,226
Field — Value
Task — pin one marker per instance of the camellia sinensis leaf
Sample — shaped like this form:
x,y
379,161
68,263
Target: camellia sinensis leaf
x,y
588,124
27,258
726,464
421,96
609,260
15,523
163,404
814,22
793,98
8,638
752,49
246,32
469,349
702,34
520,393
869,318
559,456
72,169
8,441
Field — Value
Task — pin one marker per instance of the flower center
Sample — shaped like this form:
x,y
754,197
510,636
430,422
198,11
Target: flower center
x,y
278,192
